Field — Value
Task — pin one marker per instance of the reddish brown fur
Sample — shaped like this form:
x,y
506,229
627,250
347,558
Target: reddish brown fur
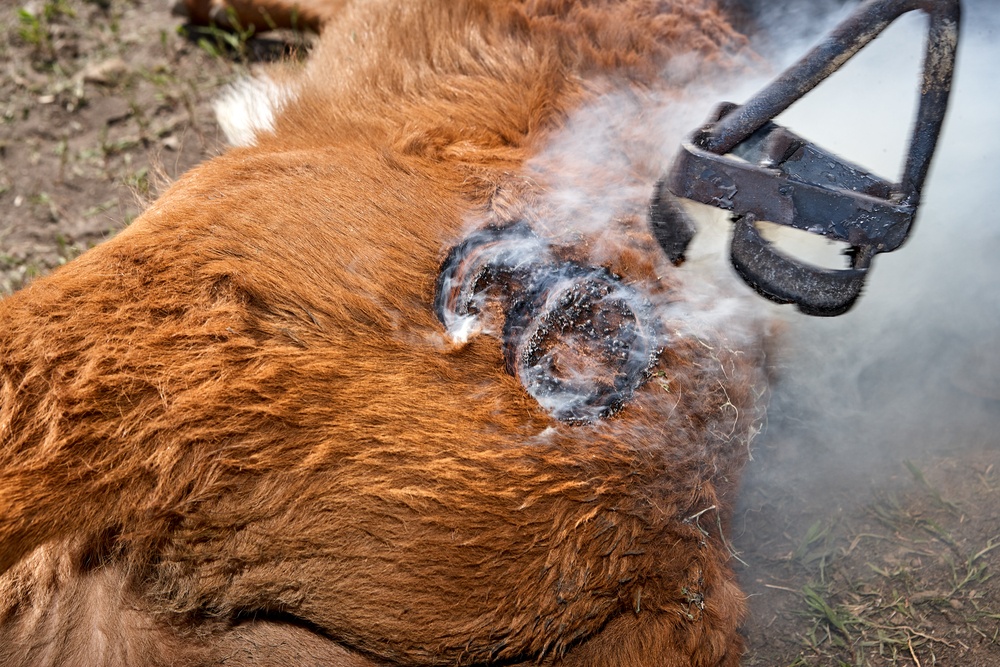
x,y
236,434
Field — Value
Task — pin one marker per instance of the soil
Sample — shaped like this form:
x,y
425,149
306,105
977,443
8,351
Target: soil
x,y
102,104
849,558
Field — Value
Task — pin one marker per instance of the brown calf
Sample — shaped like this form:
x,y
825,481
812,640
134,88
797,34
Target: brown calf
x,y
240,432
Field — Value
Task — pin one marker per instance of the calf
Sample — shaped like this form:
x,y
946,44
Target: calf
x,y
397,380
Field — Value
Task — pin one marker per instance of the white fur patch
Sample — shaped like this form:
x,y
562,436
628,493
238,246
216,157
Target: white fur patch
x,y
248,108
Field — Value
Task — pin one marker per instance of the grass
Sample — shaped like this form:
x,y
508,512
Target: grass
x,y
138,181
68,250
99,170
816,549
906,587
34,27
88,167
223,42
15,272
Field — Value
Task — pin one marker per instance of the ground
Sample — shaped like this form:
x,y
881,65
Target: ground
x,y
867,532
102,103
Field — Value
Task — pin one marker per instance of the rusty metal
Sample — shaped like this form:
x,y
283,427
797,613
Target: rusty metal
x,y
580,341
742,162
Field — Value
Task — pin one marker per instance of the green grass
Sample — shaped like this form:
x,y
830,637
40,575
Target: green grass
x,y
223,42
34,27
900,585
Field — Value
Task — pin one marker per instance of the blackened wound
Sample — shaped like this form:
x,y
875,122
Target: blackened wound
x,y
580,341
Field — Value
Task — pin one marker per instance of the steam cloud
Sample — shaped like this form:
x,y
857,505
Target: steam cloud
x,y
914,368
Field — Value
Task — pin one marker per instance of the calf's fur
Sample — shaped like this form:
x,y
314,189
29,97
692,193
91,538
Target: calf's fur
x,y
237,434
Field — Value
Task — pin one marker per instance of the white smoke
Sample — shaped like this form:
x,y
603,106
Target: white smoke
x,y
595,180
857,386
602,168
915,366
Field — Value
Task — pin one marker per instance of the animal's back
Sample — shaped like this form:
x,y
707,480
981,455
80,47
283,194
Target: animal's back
x,y
240,423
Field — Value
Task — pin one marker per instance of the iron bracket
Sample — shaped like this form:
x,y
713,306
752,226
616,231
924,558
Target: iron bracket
x,y
743,162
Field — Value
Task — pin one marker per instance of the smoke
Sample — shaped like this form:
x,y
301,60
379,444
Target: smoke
x,y
914,368
907,371
599,174
585,303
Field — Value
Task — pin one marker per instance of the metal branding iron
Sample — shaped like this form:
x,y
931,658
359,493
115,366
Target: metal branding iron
x,y
744,163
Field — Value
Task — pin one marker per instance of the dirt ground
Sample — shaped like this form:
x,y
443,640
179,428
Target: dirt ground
x,y
868,531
